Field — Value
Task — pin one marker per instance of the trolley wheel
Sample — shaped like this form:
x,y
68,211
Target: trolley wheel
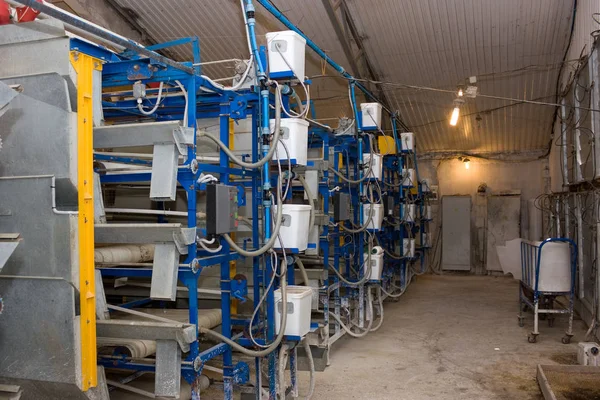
x,y
532,338
566,339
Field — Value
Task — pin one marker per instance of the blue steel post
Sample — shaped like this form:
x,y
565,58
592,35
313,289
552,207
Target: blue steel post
x,y
325,243
258,274
336,250
225,273
361,235
190,278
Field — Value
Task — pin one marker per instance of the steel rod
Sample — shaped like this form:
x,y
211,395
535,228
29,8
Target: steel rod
x,y
101,32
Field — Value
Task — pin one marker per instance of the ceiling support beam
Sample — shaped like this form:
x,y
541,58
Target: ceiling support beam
x,y
339,31
351,28
347,33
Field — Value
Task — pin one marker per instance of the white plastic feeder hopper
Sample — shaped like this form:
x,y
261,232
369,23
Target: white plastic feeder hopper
x,y
376,170
298,310
286,55
408,141
376,263
294,133
371,116
376,210
294,228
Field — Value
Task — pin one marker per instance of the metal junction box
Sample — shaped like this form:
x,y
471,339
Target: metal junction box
x,y
341,206
221,209
388,205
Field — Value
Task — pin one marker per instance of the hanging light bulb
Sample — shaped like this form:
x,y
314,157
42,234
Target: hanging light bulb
x,y
454,117
466,161
458,102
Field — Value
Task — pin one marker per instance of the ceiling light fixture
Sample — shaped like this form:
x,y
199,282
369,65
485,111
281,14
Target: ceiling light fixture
x,y
454,117
458,102
466,162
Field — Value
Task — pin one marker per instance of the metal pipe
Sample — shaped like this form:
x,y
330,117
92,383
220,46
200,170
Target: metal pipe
x,y
579,209
74,30
112,37
577,134
320,125
595,104
152,212
563,144
285,21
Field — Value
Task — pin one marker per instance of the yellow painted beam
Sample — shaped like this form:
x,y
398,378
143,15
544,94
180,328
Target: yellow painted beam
x,y
84,66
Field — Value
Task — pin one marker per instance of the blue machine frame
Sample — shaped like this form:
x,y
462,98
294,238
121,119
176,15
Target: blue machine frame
x,y
345,248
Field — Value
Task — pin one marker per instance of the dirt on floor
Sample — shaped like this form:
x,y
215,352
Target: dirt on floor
x,y
449,337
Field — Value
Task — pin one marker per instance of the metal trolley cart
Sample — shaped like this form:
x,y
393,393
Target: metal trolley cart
x,y
545,275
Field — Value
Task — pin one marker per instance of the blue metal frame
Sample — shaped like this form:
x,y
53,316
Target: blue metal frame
x,y
121,70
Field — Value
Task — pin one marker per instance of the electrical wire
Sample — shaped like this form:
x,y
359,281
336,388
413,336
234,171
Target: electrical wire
x,y
158,98
276,134
310,200
311,368
273,346
269,244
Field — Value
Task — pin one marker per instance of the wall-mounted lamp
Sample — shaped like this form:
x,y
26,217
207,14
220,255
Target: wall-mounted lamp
x,y
465,161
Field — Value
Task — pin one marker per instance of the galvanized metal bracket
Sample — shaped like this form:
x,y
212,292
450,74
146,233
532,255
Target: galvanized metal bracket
x,y
165,266
183,238
167,380
183,137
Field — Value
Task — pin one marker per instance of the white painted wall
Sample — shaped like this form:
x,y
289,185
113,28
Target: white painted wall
x,y
453,179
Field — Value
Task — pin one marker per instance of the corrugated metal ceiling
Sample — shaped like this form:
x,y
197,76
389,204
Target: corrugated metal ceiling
x,y
514,47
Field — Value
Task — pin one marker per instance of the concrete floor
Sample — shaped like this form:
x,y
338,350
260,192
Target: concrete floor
x,y
449,337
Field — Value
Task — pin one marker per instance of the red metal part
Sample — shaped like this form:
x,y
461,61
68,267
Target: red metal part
x,y
4,13
27,14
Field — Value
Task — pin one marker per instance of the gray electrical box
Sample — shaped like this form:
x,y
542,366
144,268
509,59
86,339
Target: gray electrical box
x,y
341,206
388,205
221,209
